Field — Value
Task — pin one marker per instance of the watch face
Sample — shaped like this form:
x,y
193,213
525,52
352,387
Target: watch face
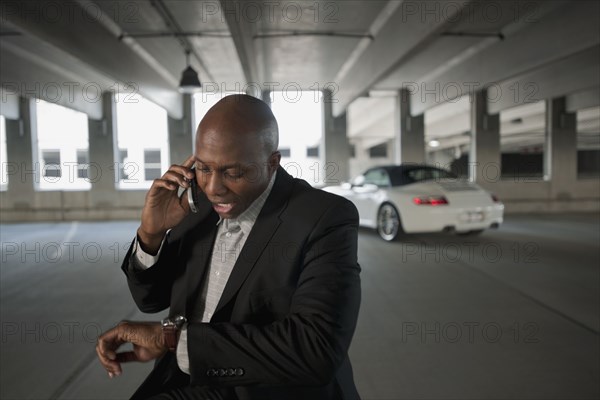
x,y
179,321
176,321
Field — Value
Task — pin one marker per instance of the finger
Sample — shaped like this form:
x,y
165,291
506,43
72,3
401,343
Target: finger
x,y
164,184
115,369
127,356
107,343
183,170
189,161
180,178
109,340
107,358
111,366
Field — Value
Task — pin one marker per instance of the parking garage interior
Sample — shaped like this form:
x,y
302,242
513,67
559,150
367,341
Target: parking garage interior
x,y
505,94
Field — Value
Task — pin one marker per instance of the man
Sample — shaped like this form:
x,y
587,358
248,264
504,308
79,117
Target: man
x,y
262,281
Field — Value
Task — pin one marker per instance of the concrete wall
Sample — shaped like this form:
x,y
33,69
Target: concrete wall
x,y
534,195
71,206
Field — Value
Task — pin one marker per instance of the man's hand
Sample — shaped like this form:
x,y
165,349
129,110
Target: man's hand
x,y
163,208
147,340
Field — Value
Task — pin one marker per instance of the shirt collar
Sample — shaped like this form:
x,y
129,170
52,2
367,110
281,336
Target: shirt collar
x,y
247,219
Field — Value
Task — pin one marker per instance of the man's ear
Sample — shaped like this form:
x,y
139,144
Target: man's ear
x,y
274,161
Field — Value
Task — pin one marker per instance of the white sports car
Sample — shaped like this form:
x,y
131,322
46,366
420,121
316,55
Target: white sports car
x,y
420,198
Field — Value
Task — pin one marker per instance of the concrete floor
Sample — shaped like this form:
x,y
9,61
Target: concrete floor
x,y
510,314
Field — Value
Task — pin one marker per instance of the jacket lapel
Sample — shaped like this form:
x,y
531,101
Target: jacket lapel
x,y
263,230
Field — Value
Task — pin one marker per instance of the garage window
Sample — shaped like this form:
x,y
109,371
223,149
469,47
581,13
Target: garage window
x,y
142,142
62,140
51,159
83,162
588,143
152,169
299,115
522,142
378,151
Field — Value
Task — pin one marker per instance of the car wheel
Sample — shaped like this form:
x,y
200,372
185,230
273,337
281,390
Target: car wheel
x,y
388,222
471,233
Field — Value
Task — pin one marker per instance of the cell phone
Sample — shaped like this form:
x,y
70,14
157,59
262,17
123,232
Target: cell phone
x,y
194,193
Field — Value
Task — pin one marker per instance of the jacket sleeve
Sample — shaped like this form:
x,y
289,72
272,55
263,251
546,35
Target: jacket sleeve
x,y
151,287
308,345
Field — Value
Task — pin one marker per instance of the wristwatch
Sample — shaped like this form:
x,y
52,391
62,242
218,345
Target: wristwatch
x,y
170,329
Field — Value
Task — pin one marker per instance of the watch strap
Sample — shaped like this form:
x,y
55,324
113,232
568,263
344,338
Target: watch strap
x,y
170,336
170,331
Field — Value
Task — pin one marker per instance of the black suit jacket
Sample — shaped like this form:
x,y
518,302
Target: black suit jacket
x,y
286,317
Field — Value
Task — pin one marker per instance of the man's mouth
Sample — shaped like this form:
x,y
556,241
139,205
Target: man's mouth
x,y
223,208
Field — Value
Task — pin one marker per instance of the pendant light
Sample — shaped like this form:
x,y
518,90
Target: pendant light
x,y
190,82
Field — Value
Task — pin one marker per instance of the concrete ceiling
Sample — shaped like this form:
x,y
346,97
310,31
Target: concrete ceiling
x,y
525,51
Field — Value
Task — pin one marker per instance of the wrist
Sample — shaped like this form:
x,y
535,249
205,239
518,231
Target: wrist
x,y
150,243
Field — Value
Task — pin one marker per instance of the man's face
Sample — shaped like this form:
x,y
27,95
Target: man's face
x,y
232,170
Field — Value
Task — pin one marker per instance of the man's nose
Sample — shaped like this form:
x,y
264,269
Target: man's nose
x,y
214,185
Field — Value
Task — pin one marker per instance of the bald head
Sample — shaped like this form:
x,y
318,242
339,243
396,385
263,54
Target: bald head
x,y
240,114
236,153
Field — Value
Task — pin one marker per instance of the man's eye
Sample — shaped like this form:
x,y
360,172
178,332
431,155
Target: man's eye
x,y
233,174
205,170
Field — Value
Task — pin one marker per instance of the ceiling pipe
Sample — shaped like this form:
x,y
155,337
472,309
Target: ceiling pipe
x,y
498,35
269,35
149,35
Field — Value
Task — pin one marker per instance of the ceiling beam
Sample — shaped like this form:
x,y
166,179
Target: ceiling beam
x,y
585,99
571,74
366,114
242,34
27,72
87,39
564,31
406,32
453,125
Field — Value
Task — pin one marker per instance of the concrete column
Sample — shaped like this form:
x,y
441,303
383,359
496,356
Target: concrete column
x,y
409,141
181,133
22,166
361,160
335,146
10,103
253,89
484,155
102,148
560,152
266,96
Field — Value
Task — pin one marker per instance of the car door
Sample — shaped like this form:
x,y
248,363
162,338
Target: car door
x,y
367,196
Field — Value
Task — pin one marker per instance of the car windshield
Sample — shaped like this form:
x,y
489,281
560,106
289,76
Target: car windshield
x,y
404,176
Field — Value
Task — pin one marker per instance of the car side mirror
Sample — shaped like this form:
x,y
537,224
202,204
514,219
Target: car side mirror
x,y
358,181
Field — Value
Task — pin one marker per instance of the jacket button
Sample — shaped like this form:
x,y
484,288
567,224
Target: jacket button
x,y
239,371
